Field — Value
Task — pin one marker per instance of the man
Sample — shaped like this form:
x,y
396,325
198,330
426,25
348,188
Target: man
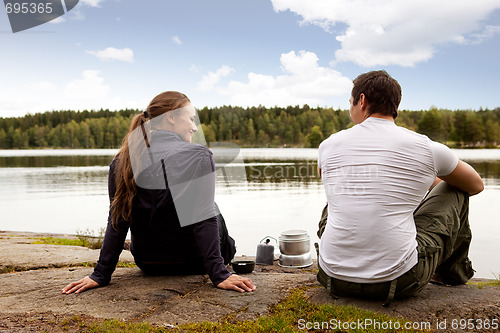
x,y
382,238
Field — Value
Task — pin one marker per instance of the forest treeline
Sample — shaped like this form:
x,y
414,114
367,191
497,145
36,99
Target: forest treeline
x,y
292,126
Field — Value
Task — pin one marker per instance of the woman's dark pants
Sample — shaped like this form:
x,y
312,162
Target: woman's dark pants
x,y
227,249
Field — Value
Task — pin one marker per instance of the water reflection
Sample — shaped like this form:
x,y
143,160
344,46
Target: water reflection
x,y
261,165
489,171
90,180
279,172
53,161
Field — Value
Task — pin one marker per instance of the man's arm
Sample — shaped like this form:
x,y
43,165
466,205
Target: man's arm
x,y
465,178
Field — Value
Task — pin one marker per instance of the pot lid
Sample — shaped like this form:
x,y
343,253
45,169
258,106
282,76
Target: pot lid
x,y
294,234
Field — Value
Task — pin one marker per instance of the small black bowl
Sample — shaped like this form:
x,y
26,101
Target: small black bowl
x,y
243,266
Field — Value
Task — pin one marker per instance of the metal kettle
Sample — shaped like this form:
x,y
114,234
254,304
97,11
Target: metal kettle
x,y
265,251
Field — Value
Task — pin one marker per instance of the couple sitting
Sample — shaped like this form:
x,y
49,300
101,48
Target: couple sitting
x,y
397,213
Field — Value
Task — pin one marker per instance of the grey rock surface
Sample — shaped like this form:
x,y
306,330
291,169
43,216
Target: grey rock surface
x,y
135,296
17,252
32,295
435,304
131,295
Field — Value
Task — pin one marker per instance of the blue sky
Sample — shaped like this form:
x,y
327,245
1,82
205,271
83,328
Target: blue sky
x,y
121,53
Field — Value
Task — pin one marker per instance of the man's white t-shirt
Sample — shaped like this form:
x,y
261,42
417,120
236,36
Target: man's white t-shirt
x,y
375,175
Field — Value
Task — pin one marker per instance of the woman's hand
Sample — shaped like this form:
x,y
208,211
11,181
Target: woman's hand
x,y
80,286
238,283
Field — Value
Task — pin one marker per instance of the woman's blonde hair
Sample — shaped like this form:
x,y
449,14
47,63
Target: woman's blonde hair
x,y
121,206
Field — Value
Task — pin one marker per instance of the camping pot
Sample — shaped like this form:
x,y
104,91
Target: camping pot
x,y
295,261
294,242
295,248
265,252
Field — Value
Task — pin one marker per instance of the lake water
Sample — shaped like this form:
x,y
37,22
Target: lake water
x,y
65,191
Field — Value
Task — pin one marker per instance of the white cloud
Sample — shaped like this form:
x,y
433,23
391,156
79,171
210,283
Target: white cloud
x,y
57,20
392,32
112,53
92,3
88,91
89,86
77,14
13,106
194,69
477,38
42,86
209,81
304,82
176,40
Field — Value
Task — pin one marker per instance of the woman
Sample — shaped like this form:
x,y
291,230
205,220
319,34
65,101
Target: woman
x,y
154,188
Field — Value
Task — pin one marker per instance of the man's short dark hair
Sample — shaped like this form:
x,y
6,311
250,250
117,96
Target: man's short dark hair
x,y
382,92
